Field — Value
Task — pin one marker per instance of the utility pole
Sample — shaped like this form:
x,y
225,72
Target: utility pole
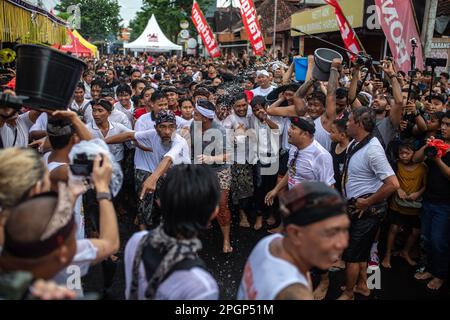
x,y
428,25
274,40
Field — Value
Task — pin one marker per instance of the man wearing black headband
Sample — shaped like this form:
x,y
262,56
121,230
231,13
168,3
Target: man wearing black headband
x,y
308,160
163,147
315,235
116,115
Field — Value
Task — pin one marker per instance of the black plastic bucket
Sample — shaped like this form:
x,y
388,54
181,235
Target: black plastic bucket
x,y
323,58
47,76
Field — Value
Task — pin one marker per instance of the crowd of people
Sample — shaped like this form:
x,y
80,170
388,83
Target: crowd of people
x,y
322,165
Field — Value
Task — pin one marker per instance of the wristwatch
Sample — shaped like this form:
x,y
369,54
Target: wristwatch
x,y
104,196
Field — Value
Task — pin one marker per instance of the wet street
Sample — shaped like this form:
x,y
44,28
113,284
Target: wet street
x,y
396,283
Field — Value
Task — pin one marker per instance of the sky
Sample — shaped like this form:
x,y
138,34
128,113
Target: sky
x,y
128,7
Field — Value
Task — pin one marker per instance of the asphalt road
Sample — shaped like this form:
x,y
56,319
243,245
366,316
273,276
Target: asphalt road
x,y
396,283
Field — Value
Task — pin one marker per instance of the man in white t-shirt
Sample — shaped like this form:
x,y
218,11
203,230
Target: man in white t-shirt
x,y
164,147
80,103
368,180
163,264
308,160
263,81
278,267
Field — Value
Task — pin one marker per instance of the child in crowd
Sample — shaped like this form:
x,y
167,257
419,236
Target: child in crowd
x,y
406,204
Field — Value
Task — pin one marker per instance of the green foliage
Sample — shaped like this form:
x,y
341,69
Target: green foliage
x,y
99,18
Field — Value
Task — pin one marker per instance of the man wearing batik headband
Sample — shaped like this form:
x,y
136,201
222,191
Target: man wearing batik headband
x,y
308,160
164,147
40,232
315,235
218,159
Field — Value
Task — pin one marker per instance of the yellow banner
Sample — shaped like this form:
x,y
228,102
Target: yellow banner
x,y
323,19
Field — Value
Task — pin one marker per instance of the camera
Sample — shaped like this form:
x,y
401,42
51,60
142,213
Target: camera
x,y
83,165
9,101
364,60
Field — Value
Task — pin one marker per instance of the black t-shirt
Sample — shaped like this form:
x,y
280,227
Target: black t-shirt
x,y
438,186
338,166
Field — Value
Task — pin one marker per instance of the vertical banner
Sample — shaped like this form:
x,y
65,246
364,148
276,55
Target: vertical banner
x,y
348,34
399,26
252,27
205,31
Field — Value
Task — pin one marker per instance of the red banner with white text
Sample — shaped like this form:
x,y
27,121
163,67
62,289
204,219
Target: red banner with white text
x,y
252,27
205,31
399,26
348,34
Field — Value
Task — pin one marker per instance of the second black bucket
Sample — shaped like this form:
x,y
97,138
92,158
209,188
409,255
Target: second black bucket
x,y
323,58
47,76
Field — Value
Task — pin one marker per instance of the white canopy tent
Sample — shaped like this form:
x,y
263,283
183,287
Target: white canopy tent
x,y
152,39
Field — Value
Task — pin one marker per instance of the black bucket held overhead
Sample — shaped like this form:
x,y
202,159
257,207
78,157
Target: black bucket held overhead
x,y
47,76
322,63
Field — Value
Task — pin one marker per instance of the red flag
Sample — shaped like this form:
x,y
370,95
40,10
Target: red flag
x,y
205,31
348,34
399,27
252,27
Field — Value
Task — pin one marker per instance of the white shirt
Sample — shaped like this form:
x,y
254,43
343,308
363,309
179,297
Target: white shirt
x,y
85,255
87,90
16,136
193,284
367,169
245,149
177,150
114,129
265,275
78,209
116,116
285,136
262,92
321,135
128,112
263,134
84,105
41,123
197,76
146,122
313,163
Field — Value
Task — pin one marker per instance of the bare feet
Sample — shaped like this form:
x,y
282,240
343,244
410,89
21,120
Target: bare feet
x,y
278,229
423,276
346,296
321,290
244,222
435,284
386,262
271,221
362,290
258,223
340,264
227,248
405,255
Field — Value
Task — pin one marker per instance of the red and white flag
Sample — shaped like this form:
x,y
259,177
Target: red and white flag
x,y
252,27
205,31
348,34
399,26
